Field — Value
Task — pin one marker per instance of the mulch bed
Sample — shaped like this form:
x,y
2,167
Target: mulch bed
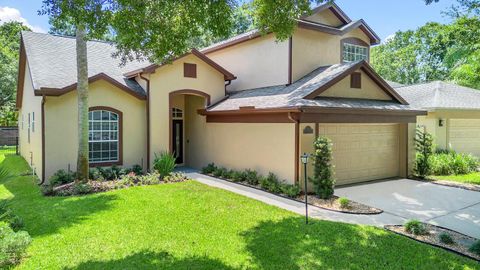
x,y
333,204
461,245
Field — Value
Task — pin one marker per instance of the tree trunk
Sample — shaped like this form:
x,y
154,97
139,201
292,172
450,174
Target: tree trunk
x,y
82,93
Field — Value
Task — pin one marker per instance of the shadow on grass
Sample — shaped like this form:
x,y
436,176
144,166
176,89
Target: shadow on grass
x,y
154,260
290,244
45,215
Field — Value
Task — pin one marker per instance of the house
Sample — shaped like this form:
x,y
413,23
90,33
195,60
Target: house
x,y
246,102
453,114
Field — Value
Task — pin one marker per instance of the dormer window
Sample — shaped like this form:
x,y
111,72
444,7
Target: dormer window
x,y
354,49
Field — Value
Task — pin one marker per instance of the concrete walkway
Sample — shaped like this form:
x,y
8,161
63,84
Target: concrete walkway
x,y
294,206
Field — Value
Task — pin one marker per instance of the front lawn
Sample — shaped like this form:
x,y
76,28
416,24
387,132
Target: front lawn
x,y
471,178
192,226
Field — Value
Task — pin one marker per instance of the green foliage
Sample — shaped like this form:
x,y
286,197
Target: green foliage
x,y
251,177
292,191
415,227
175,177
344,203
475,247
424,149
220,171
5,174
7,215
270,183
61,177
164,164
8,114
446,238
12,245
96,174
433,52
81,189
210,168
452,163
323,176
239,176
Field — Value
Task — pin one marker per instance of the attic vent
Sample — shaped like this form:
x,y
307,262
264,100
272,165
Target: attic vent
x,y
189,70
356,80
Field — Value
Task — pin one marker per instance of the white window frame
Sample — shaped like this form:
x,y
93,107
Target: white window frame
x,y
357,52
98,133
177,113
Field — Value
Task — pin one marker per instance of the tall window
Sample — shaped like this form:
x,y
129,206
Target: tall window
x,y
177,113
352,53
103,136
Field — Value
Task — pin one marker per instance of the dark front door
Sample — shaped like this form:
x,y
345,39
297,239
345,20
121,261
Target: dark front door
x,y
177,140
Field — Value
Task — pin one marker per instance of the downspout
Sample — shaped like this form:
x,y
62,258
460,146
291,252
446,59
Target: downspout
x,y
44,100
148,119
297,145
227,84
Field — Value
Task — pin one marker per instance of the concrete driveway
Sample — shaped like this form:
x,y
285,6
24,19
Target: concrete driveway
x,y
450,207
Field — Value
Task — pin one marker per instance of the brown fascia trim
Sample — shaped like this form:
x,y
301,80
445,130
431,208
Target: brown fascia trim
x,y
148,119
45,91
22,63
232,42
374,38
370,72
228,76
120,137
365,111
334,8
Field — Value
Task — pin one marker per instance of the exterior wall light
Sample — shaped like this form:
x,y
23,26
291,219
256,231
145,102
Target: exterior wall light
x,y
441,122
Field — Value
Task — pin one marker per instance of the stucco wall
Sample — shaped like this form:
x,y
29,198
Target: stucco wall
x,y
312,49
61,126
168,79
257,63
325,17
369,89
31,151
264,147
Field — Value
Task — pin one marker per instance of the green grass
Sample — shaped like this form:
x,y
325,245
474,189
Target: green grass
x,y
192,226
471,178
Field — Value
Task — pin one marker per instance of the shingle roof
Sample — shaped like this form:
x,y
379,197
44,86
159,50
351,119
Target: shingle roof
x,y
394,84
52,61
440,95
282,96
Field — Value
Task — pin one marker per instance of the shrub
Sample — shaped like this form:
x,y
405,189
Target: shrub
x,y
270,183
447,163
291,191
475,247
176,177
164,164
415,227
219,172
4,174
95,174
424,148
81,188
344,203
107,173
12,245
7,215
47,190
227,174
323,176
446,238
61,177
251,177
136,169
210,168
148,179
238,176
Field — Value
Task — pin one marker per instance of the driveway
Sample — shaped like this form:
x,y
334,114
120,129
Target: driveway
x,y
449,207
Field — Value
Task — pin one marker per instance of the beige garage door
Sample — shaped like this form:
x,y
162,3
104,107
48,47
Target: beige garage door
x,y
465,135
363,152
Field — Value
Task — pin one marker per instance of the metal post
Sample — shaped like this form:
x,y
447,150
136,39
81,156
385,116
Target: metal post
x,y
306,193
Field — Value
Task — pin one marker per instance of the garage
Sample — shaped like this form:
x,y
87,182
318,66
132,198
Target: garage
x,y
363,152
464,136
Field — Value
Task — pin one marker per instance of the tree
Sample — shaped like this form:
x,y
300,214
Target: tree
x,y
9,48
322,163
462,8
424,149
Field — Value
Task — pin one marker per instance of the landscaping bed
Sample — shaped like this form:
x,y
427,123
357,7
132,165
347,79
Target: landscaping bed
x,y
449,183
459,244
335,204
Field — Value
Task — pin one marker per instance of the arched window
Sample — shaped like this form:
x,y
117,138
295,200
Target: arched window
x,y
104,136
177,113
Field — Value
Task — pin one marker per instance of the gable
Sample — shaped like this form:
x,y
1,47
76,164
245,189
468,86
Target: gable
x,y
369,89
326,17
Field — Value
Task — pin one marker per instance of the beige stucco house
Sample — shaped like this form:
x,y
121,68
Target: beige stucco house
x,y
453,114
246,102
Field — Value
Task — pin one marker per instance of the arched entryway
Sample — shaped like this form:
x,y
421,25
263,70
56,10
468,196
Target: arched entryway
x,y
183,107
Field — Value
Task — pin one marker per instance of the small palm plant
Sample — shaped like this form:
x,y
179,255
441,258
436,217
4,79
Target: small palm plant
x,y
4,174
164,163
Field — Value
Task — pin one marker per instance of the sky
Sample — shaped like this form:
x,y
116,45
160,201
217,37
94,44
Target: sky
x,y
385,17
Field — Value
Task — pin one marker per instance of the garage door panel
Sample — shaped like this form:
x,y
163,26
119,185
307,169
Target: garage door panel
x,y
363,152
464,136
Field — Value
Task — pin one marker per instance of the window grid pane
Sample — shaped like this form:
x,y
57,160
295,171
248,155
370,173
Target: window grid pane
x,y
103,136
352,53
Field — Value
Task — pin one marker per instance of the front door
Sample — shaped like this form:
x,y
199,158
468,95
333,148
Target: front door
x,y
177,140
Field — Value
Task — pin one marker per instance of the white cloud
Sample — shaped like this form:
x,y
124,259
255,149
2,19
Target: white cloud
x,y
389,38
8,14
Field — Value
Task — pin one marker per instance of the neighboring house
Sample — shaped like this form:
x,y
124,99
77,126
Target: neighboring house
x,y
247,102
453,114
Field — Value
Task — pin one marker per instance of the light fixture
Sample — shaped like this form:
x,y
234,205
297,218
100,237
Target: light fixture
x,y
304,159
441,122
